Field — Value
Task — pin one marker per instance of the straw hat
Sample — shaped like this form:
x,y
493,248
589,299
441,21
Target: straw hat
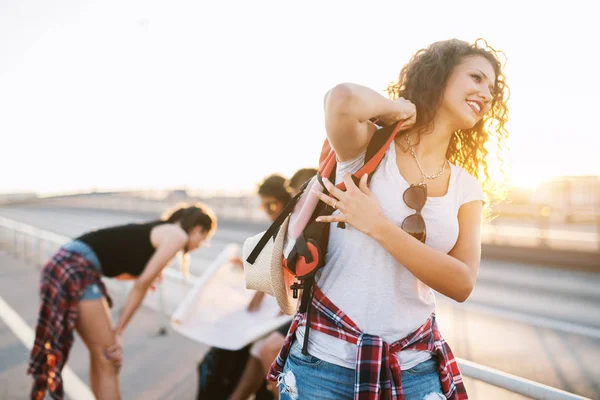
x,y
267,274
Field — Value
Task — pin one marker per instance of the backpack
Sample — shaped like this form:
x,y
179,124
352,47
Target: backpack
x,y
220,371
308,253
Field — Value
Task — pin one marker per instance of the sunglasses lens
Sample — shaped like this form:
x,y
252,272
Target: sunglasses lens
x,y
415,226
415,197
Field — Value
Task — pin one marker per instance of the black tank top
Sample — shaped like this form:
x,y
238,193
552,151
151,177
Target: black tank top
x,y
122,249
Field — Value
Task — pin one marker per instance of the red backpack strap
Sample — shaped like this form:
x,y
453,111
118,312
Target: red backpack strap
x,y
380,142
325,151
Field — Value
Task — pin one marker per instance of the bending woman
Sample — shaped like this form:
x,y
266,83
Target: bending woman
x,y
73,294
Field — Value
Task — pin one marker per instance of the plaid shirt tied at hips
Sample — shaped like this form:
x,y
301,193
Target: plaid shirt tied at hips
x,y
378,374
64,279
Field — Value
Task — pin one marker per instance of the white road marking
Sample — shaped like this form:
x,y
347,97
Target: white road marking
x,y
75,388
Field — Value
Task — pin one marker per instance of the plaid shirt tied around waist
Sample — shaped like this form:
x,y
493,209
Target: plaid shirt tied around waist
x,y
64,279
378,373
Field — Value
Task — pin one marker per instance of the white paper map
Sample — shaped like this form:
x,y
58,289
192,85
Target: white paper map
x,y
215,310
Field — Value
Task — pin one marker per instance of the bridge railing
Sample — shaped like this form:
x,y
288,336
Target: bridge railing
x,y
35,246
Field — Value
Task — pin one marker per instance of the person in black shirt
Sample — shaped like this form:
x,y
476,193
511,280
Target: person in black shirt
x,y
73,294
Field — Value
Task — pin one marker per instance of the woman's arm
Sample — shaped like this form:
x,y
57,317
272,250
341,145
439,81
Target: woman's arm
x,y
452,274
348,108
167,249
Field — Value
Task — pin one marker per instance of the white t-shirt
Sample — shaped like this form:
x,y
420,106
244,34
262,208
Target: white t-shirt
x,y
362,279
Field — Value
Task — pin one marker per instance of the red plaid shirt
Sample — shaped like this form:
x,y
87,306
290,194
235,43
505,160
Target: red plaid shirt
x,y
64,278
378,374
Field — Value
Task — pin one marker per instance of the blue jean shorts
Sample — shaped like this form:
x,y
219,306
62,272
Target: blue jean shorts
x,y
92,291
306,375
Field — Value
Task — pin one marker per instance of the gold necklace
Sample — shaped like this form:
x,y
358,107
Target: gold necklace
x,y
424,176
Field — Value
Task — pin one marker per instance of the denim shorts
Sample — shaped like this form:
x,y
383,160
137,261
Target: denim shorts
x,y
92,291
309,377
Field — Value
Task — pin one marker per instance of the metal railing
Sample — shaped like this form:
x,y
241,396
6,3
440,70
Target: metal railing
x,y
42,243
514,383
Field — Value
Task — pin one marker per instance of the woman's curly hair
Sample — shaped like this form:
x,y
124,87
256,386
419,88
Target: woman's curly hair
x,y
422,81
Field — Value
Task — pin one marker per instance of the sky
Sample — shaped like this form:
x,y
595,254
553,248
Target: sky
x,y
215,95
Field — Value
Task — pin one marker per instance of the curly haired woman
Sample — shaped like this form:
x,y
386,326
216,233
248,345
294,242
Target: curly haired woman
x,y
414,230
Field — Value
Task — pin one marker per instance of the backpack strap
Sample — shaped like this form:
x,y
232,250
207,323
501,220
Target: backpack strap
x,y
376,150
307,298
378,145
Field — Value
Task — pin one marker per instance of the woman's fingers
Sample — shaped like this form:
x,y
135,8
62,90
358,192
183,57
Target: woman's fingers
x,y
332,218
330,201
333,190
363,184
